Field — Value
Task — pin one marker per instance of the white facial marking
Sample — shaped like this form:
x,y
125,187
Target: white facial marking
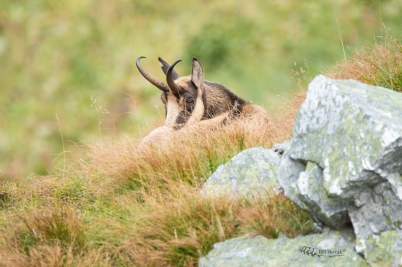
x,y
173,111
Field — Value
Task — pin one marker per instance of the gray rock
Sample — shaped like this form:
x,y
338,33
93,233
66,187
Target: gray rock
x,y
249,174
322,208
381,212
345,157
311,250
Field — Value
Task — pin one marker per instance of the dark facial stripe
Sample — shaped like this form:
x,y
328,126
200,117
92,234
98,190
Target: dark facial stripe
x,y
183,117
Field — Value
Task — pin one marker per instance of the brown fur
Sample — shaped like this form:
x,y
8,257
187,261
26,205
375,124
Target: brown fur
x,y
219,104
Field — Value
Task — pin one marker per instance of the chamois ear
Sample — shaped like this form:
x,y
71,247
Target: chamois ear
x,y
198,74
165,66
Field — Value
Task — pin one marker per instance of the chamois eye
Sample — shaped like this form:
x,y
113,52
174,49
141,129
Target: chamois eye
x,y
189,102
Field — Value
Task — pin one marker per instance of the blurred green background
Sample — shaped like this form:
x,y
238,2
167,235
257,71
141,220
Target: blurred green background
x,y
76,59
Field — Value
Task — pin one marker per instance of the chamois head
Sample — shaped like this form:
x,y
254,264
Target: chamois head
x,y
182,97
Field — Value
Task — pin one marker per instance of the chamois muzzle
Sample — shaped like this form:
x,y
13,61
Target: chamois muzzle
x,y
152,80
170,79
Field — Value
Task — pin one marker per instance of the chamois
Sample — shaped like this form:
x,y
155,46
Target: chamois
x,y
164,134
181,96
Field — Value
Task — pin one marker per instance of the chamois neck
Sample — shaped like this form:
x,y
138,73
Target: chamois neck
x,y
218,99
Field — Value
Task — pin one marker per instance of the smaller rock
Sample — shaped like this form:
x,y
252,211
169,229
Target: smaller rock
x,y
249,174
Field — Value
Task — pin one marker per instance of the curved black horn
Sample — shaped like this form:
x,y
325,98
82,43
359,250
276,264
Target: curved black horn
x,y
150,79
165,66
169,78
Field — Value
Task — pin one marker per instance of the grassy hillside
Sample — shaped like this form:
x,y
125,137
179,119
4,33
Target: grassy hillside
x,y
116,205
67,71
120,206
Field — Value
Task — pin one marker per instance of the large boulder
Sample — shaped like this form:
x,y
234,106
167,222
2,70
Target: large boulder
x,y
344,163
328,249
249,174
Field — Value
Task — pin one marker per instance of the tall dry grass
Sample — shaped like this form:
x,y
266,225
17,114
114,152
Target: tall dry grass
x,y
50,235
378,64
121,206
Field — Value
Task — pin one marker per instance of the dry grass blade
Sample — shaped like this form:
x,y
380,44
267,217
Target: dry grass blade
x,y
379,64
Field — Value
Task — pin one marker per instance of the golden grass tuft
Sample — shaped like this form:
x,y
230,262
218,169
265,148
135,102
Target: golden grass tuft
x,y
51,235
57,223
378,64
183,227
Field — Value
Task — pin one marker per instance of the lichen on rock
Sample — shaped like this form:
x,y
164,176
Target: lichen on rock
x,y
250,174
327,249
345,157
